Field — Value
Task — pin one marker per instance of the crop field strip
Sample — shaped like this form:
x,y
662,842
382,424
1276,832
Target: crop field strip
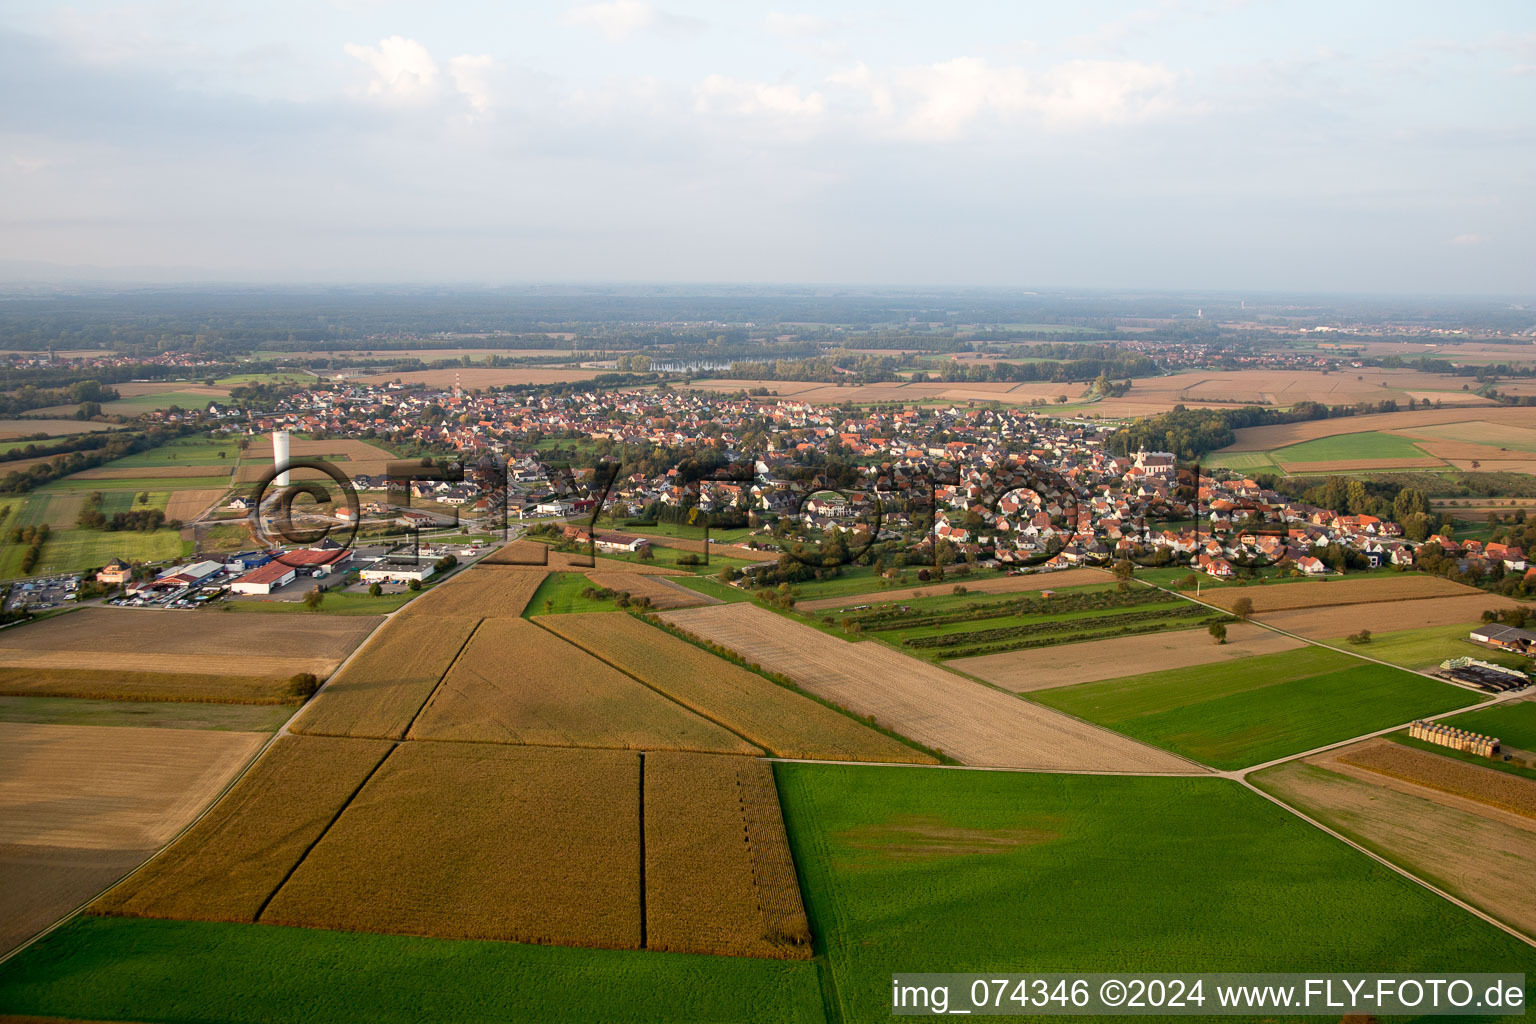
x,y
1267,438
515,683
478,594
528,844
1484,859
784,723
967,720
1458,778
996,585
994,626
229,864
1364,590
1048,667
719,877
1387,616
125,654
1235,714
383,688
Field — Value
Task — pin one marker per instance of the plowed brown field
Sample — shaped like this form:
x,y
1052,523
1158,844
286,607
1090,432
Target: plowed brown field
x,y
1320,594
1386,616
661,593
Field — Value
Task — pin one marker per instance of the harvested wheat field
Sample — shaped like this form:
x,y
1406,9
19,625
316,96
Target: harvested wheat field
x,y
1486,860
1501,790
44,883
966,720
774,717
1045,667
229,864
995,585
123,654
661,592
188,505
519,684
477,594
528,554
1319,594
718,873
1386,616
111,787
382,689
236,639
468,840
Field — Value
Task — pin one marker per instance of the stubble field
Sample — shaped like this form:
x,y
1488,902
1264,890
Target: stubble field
x,y
1046,667
1320,594
966,720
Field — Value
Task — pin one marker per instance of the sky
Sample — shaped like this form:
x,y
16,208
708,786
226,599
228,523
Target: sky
x,y
1273,146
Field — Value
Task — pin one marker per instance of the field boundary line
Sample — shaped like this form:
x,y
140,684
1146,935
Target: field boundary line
x,y
256,919
437,685
1399,869
644,932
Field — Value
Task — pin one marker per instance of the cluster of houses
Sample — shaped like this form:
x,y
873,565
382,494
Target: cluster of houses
x,y
1002,485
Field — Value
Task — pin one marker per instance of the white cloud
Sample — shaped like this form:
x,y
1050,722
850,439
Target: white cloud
x,y
471,77
719,93
403,70
938,102
1469,238
800,26
618,19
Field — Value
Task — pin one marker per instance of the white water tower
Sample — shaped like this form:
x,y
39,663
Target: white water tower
x,y
280,456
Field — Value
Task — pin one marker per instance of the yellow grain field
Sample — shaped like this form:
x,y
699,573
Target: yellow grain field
x,y
516,683
229,863
774,717
467,840
718,873
188,505
478,593
382,689
966,720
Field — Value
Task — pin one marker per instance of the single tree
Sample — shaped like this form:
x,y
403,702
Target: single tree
x,y
374,589
313,599
1243,607
1219,632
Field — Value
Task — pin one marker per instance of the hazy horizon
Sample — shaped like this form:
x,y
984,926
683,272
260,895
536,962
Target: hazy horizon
x,y
1226,146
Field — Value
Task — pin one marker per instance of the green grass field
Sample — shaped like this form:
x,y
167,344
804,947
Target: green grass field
x,y
1242,462
1514,724
932,870
562,592
1350,447
144,714
1422,648
1234,714
137,969
678,532
72,550
185,451
713,588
